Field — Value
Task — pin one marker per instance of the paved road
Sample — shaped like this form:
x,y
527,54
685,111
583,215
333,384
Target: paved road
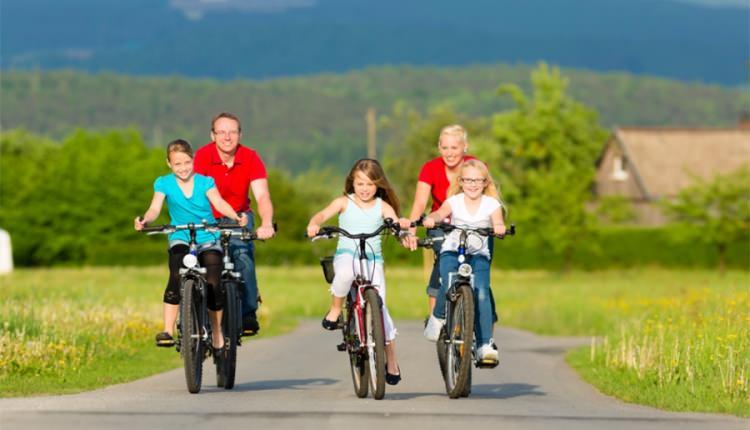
x,y
300,381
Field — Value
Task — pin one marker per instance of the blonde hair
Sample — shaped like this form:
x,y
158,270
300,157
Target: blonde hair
x,y
372,169
490,189
454,130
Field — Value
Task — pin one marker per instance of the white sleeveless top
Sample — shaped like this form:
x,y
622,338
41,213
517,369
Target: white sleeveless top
x,y
461,217
356,220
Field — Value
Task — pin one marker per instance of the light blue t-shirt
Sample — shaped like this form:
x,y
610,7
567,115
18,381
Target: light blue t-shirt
x,y
356,220
184,210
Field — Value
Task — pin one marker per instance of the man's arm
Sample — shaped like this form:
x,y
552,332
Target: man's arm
x,y
265,208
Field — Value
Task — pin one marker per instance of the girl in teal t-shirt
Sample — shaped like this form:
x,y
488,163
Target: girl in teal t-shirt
x,y
189,197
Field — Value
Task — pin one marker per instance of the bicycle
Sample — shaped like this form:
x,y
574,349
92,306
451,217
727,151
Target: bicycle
x,y
458,331
193,327
362,324
231,322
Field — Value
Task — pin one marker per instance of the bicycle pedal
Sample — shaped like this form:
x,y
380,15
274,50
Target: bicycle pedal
x,y
341,347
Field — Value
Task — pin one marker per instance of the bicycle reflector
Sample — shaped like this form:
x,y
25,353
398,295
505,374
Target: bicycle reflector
x,y
190,261
464,270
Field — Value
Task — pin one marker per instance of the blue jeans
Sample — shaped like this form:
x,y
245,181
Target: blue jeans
x,y
243,257
480,266
434,285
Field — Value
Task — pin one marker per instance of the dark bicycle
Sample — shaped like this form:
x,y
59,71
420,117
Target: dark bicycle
x,y
193,326
456,346
233,286
362,328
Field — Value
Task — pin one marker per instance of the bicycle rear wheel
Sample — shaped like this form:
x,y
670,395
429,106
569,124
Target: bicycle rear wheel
x,y
460,336
357,360
231,325
192,347
375,342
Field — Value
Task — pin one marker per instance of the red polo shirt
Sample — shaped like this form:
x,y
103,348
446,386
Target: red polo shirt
x,y
233,182
433,174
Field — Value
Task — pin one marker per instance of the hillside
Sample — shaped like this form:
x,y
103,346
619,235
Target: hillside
x,y
317,121
696,40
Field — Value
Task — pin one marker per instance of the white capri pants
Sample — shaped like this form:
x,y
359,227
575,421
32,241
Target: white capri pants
x,y
345,268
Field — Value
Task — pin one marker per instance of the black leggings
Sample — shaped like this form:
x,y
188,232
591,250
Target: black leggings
x,y
211,260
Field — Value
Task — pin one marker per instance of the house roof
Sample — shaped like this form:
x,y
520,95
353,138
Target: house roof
x,y
663,160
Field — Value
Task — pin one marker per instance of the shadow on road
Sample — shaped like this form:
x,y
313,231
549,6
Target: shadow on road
x,y
283,384
483,391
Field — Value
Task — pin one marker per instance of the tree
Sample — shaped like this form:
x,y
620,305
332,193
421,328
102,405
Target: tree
x,y
715,211
547,146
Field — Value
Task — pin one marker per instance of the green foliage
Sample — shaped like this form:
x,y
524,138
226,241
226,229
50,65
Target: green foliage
x,y
316,121
87,191
615,210
547,145
715,211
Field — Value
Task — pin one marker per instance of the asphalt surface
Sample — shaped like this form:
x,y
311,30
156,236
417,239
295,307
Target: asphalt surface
x,y
300,381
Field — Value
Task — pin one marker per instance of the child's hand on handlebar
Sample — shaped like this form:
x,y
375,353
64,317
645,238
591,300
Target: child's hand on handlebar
x,y
428,222
499,229
139,223
312,229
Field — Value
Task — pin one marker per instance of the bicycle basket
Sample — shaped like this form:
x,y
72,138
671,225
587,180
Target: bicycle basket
x,y
327,264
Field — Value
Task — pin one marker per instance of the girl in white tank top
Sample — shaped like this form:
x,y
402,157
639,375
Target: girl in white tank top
x,y
368,199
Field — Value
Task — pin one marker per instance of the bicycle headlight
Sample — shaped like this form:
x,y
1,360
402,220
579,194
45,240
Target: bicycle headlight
x,y
464,270
189,261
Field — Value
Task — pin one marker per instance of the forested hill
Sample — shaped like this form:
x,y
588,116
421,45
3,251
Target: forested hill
x,y
317,121
698,40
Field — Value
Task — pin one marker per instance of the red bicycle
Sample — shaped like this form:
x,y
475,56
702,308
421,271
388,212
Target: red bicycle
x,y
362,328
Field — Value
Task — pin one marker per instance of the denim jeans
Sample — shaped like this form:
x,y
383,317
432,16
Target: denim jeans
x,y
434,285
480,266
243,257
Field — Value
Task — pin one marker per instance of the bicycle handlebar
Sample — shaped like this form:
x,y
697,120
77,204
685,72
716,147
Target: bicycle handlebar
x,y
230,229
327,232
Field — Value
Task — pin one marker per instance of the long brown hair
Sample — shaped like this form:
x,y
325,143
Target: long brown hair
x,y
179,145
490,189
372,169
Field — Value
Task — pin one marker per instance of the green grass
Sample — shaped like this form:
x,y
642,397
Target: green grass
x,y
678,340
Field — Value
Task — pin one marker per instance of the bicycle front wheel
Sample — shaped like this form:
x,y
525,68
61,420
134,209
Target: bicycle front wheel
x,y
357,360
192,348
459,338
375,342
231,325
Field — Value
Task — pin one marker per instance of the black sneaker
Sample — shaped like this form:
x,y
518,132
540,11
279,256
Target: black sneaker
x,y
163,339
250,326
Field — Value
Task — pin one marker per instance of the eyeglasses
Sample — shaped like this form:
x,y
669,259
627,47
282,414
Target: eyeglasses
x,y
473,180
223,133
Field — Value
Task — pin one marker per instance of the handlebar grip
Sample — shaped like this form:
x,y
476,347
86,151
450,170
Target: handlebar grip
x,y
156,228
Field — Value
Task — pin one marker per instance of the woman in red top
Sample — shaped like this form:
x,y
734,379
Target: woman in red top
x,y
434,180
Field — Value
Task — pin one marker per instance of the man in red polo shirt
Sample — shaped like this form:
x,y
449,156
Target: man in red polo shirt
x,y
238,169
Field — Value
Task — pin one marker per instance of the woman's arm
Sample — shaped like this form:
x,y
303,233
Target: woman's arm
x,y
335,207
421,196
225,208
152,212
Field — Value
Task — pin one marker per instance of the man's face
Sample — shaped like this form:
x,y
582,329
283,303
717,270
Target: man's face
x,y
226,134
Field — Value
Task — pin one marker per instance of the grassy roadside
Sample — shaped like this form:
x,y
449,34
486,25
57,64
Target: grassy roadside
x,y
676,340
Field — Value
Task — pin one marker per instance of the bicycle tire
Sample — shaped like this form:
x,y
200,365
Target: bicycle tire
x,y
231,325
192,348
375,342
460,340
357,360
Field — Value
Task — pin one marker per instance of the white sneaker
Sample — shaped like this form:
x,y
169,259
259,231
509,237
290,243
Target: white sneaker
x,y
488,352
434,325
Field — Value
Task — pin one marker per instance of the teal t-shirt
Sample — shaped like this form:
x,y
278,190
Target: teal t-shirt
x,y
185,210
